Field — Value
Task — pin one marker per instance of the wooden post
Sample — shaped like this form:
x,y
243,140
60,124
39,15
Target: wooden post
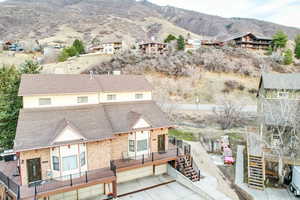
x,y
86,177
71,182
152,156
114,184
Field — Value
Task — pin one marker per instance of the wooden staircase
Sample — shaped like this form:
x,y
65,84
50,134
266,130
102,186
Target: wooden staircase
x,y
184,165
256,173
256,162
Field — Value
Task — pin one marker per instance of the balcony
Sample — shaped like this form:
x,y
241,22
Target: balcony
x,y
56,185
176,149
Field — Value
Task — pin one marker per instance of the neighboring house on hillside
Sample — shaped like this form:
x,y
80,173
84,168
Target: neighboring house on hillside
x,y
212,43
108,47
278,114
153,48
192,44
249,41
80,135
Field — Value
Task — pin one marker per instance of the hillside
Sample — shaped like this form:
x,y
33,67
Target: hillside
x,y
128,20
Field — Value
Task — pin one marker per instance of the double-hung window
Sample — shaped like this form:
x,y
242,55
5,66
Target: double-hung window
x,y
55,163
111,97
131,145
82,159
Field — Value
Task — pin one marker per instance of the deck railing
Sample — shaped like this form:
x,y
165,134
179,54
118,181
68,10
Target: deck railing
x,y
10,184
44,186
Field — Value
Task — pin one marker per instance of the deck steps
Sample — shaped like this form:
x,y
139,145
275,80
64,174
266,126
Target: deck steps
x,y
185,167
256,172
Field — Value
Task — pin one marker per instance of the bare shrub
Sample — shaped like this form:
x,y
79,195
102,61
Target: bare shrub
x,y
252,91
231,84
230,114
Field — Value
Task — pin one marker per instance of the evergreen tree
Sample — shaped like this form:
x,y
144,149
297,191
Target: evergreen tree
x,y
170,38
279,40
78,45
288,57
180,43
10,102
297,47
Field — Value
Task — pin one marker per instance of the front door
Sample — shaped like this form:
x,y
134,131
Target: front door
x,y
34,170
161,143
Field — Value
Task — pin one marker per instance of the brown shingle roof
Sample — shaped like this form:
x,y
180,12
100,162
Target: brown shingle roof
x,y
41,84
37,127
123,83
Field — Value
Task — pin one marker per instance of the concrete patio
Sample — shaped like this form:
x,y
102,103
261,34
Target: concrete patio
x,y
174,191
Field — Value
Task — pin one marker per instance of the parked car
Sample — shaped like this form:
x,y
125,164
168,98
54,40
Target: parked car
x,y
295,184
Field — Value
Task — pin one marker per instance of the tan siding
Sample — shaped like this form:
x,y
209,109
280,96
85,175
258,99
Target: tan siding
x,y
154,138
119,145
43,154
98,154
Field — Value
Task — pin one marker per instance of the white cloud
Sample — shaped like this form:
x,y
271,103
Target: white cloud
x,y
286,12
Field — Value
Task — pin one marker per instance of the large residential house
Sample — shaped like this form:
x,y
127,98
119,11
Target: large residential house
x,y
108,47
153,48
79,135
249,41
278,109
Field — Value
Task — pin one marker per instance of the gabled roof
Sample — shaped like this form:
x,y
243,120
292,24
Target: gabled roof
x,y
44,84
38,127
239,35
288,81
61,131
134,118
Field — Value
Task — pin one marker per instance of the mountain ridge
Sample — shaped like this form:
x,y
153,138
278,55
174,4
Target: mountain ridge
x,y
126,19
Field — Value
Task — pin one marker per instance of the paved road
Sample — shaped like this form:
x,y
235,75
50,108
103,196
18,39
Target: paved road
x,y
205,107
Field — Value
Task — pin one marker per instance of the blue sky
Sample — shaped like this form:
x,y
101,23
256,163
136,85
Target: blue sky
x,y
285,12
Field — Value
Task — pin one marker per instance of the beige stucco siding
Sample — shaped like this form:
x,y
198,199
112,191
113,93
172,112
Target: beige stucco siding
x,y
134,174
60,100
43,154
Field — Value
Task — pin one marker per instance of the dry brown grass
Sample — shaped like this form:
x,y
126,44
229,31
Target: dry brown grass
x,y
208,86
12,58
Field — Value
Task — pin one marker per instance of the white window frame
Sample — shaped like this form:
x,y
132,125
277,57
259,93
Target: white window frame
x,y
45,99
76,163
139,96
111,97
53,164
82,99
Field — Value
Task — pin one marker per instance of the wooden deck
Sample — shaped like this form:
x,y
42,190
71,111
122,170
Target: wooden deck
x,y
149,159
54,186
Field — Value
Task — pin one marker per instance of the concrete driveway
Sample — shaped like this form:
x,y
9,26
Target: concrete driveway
x,y
172,191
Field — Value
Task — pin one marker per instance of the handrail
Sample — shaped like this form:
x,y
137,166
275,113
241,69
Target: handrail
x,y
10,184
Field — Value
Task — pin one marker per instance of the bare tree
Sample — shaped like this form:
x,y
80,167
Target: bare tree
x,y
281,120
229,114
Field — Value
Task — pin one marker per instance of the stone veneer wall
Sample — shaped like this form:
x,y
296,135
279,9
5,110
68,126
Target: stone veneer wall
x,y
43,154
